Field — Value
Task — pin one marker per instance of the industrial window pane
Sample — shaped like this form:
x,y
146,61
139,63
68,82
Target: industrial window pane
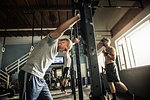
x,y
138,44
123,54
101,61
133,48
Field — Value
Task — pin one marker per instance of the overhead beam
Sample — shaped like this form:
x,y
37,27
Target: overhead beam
x,y
127,18
29,29
128,0
123,0
24,8
138,5
102,30
116,7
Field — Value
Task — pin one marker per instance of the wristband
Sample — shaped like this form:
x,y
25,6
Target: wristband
x,y
106,53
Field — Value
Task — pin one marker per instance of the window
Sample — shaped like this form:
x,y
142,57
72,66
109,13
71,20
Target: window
x,y
139,45
101,61
134,48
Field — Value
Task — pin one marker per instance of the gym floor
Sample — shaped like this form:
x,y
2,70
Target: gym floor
x,y
58,95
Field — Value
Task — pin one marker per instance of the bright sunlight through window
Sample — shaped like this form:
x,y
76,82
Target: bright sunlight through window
x,y
134,48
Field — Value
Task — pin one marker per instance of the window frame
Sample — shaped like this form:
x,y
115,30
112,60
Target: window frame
x,y
128,46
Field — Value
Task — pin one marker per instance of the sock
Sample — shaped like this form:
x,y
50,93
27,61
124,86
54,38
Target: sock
x,y
114,96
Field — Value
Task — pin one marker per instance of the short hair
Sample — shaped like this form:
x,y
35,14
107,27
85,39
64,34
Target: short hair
x,y
105,39
69,42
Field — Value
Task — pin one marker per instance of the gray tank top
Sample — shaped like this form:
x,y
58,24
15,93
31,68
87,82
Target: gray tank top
x,y
41,57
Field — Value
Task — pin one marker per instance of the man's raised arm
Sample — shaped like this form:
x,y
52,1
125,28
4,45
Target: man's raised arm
x,y
63,27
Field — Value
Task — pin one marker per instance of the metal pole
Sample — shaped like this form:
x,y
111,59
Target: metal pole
x,y
87,32
72,71
33,29
3,48
77,49
109,2
41,23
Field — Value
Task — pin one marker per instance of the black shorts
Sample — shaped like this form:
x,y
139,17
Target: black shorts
x,y
111,73
65,72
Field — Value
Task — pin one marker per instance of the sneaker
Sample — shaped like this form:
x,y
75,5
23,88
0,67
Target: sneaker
x,y
65,91
61,89
131,97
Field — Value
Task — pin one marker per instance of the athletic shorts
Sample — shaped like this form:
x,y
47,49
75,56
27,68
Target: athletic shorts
x,y
32,87
65,72
112,75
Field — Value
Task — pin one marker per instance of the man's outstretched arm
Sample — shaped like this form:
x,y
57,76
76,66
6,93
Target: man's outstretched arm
x,y
75,41
63,27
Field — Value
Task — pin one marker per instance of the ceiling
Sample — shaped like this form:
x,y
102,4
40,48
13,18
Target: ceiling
x,y
21,17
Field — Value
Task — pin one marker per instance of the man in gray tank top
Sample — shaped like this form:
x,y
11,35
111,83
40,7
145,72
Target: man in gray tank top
x,y
31,82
